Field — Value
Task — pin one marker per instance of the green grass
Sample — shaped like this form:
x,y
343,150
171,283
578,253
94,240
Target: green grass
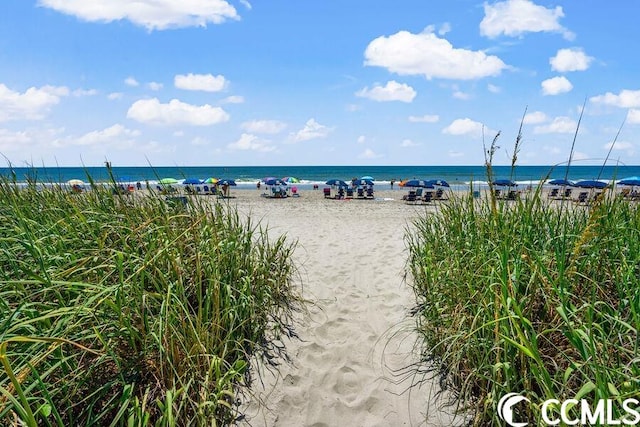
x,y
529,298
120,310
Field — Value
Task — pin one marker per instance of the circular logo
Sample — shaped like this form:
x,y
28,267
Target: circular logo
x,y
505,408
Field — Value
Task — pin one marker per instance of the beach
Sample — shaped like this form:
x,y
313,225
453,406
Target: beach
x,y
355,362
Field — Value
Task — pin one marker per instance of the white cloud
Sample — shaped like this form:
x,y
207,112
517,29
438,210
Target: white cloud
x,y
155,86
535,118
620,146
361,139
130,81
369,154
392,91
556,86
203,82
311,130
246,4
458,94
493,88
406,143
248,142
115,95
570,60
175,112
426,54
84,92
33,104
444,29
151,14
264,126
233,99
513,18
625,99
468,127
427,118
14,141
116,134
633,116
558,125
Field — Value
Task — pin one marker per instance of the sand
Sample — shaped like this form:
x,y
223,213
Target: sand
x,y
354,363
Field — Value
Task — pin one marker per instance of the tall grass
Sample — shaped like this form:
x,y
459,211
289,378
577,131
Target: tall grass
x,y
525,297
119,310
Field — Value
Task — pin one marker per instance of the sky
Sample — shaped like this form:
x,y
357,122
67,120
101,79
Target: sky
x,y
317,82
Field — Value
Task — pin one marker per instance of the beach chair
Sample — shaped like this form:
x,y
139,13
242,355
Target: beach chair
x,y
410,198
583,198
567,193
439,195
327,192
512,195
419,193
349,193
553,194
498,194
370,193
427,197
340,194
360,193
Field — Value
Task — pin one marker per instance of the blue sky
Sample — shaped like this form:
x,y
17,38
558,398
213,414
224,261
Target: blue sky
x,y
223,83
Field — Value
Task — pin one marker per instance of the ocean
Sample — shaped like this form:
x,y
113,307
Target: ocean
x,y
248,176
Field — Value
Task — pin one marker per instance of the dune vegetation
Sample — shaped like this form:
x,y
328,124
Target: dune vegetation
x,y
531,297
123,310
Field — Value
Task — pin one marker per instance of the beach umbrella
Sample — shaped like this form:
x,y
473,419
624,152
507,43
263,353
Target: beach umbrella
x,y
168,181
192,181
125,178
587,183
338,182
504,183
274,181
634,181
438,182
563,182
211,181
75,182
291,180
417,183
226,182
268,178
362,181
370,178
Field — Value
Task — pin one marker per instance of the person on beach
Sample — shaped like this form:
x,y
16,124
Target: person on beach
x,y
392,181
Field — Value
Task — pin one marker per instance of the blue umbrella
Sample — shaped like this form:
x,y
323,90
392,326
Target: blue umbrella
x,y
362,181
274,181
438,182
368,177
417,183
226,182
268,178
591,184
192,181
635,181
504,183
338,182
563,182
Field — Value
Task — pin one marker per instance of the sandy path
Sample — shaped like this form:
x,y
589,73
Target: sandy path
x,y
349,366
